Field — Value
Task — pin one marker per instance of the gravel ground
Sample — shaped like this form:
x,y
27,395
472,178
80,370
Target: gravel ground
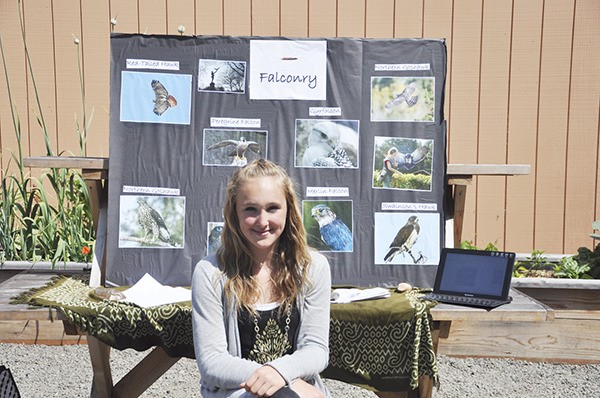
x,y
64,371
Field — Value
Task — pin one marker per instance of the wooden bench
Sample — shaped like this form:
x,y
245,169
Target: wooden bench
x,y
95,173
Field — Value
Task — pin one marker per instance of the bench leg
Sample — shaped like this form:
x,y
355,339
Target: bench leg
x,y
100,358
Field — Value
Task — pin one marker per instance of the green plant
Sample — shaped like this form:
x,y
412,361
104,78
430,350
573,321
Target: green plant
x,y
591,258
568,267
468,245
36,223
535,265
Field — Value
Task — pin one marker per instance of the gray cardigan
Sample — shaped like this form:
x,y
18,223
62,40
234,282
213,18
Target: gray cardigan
x,y
218,350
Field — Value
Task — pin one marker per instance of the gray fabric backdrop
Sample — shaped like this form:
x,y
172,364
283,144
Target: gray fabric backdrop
x,y
164,159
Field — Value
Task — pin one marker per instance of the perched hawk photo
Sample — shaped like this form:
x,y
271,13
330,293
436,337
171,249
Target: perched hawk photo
x,y
152,224
162,99
405,239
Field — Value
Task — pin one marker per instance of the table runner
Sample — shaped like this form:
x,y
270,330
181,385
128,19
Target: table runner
x,y
382,345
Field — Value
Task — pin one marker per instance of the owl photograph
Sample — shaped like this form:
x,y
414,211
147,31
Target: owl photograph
x,y
213,238
155,98
402,99
328,224
407,238
151,221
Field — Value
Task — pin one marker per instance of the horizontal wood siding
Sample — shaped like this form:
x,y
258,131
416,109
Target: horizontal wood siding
x,y
522,87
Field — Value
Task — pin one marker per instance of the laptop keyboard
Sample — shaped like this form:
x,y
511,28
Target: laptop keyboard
x,y
474,301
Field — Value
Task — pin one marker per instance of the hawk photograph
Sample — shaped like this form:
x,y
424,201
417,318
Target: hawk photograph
x,y
151,221
213,238
402,99
233,147
407,238
327,143
328,224
155,98
402,163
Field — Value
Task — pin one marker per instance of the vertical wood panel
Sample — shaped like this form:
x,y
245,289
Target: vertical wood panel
x,y
125,12
522,126
495,60
351,19
209,17
67,25
409,19
437,24
265,18
38,28
322,16
582,154
96,69
15,65
180,13
379,19
294,18
464,106
552,132
153,16
236,17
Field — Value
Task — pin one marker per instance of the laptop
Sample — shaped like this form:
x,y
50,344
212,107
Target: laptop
x,y
474,278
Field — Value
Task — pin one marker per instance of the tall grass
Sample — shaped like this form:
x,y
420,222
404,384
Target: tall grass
x,y
46,218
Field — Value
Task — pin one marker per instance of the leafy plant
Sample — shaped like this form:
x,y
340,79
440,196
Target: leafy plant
x,y
591,258
568,267
535,265
38,224
468,245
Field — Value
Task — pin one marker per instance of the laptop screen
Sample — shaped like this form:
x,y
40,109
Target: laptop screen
x,y
476,273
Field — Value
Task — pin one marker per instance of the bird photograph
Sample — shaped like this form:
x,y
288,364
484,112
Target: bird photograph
x,y
327,144
151,221
221,76
412,162
214,236
403,99
407,238
233,147
327,224
162,99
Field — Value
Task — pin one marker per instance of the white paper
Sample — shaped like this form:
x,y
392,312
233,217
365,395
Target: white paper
x,y
347,295
148,292
288,70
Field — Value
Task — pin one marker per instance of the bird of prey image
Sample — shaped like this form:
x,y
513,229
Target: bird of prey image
x,y
324,148
239,149
152,224
214,238
336,235
409,160
162,99
405,96
404,240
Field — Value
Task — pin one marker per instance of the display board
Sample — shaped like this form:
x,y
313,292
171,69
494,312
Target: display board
x,y
186,112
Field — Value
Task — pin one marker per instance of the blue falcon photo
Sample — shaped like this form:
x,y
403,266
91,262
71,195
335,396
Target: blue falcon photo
x,y
336,235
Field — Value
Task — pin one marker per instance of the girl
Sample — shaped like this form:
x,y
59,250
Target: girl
x,y
261,302
390,166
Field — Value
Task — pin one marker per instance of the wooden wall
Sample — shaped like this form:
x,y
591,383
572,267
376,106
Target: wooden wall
x,y
522,88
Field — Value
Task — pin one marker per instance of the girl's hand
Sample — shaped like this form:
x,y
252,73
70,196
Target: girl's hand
x,y
264,382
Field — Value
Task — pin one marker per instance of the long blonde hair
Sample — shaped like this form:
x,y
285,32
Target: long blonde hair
x,y
291,257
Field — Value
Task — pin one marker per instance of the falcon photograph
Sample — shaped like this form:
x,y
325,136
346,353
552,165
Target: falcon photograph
x,y
213,238
151,222
328,224
222,76
402,99
327,143
155,98
407,238
402,163
233,147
